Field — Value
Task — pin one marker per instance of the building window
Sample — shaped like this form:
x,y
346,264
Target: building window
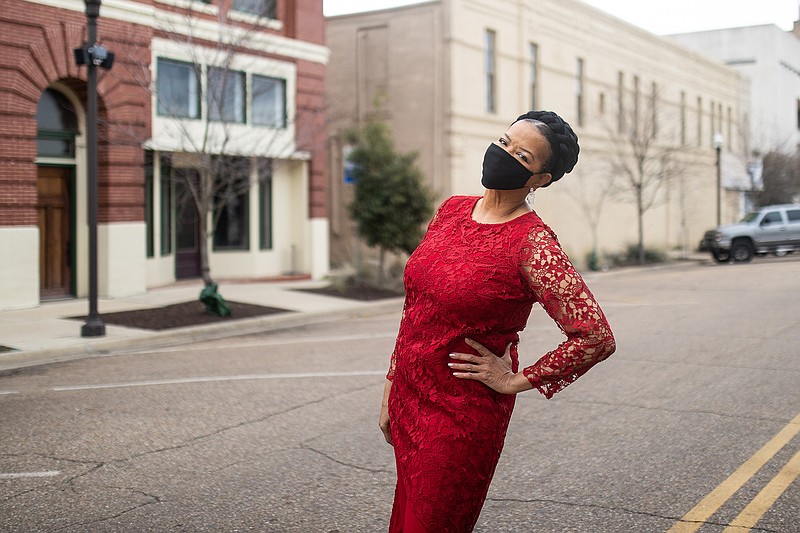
x,y
166,204
265,204
699,121
490,68
620,102
579,90
798,113
148,203
178,89
269,101
729,144
533,50
261,8
714,129
56,125
654,108
636,95
683,118
226,95
232,198
601,104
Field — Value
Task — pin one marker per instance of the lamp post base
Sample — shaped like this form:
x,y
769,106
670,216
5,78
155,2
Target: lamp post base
x,y
93,327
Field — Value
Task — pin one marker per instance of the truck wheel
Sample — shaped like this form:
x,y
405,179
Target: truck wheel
x,y
742,251
721,256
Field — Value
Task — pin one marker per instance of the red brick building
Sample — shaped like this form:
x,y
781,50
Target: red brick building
x,y
233,84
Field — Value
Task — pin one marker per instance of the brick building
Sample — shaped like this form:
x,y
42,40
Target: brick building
x,y
194,83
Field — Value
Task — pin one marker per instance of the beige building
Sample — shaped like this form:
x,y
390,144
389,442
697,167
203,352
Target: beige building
x,y
450,75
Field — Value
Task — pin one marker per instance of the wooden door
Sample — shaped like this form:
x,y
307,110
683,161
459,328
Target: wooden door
x,y
55,231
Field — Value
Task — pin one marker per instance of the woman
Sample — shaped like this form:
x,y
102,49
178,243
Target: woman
x,y
470,287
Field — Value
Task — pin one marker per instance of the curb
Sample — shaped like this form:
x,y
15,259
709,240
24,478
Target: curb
x,y
159,339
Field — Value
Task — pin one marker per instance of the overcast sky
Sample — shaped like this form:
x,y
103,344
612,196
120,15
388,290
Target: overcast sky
x,y
658,16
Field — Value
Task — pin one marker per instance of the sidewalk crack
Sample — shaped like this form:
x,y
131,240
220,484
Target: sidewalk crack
x,y
349,465
152,499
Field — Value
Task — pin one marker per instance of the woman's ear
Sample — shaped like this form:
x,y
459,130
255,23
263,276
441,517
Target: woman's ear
x,y
540,179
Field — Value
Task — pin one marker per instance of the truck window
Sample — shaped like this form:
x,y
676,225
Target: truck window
x,y
773,217
794,215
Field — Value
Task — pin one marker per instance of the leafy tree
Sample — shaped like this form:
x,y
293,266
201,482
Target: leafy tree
x,y
390,203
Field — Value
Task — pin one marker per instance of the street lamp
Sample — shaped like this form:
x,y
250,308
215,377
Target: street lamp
x,y
719,140
92,55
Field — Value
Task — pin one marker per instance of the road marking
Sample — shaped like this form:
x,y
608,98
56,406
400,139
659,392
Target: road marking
x,y
2,392
16,475
694,519
277,342
212,379
751,514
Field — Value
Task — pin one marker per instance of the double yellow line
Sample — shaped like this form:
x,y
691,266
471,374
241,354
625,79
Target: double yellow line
x,y
750,515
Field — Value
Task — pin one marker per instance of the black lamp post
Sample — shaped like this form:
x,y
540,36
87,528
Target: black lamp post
x,y
718,142
92,55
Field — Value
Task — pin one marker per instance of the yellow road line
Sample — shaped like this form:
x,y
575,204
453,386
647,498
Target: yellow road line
x,y
700,513
751,514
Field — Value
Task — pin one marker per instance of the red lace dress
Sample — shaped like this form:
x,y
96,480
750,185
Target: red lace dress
x,y
480,281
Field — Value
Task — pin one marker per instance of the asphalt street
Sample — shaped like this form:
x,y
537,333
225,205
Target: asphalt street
x,y
691,426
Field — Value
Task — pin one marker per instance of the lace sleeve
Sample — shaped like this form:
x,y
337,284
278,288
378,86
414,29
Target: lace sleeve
x,y
563,294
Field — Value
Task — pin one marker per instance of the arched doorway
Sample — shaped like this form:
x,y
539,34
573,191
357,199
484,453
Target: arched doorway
x,y
56,129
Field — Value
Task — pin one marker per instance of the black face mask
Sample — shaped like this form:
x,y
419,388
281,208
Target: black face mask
x,y
502,170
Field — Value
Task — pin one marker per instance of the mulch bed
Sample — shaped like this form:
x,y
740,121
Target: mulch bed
x,y
362,293
194,313
181,315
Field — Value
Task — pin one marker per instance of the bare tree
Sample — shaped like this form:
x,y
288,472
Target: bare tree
x,y
218,164
591,199
781,178
642,159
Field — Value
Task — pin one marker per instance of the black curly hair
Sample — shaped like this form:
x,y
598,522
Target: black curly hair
x,y
563,142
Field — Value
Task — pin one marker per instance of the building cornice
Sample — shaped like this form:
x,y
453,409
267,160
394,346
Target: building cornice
x,y
201,28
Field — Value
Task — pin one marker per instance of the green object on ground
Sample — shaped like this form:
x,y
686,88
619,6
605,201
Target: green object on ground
x,y
214,302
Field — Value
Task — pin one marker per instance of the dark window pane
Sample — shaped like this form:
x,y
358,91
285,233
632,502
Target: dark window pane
x,y
178,89
55,145
269,101
166,205
773,217
226,92
55,113
148,202
794,215
232,199
262,8
56,125
265,204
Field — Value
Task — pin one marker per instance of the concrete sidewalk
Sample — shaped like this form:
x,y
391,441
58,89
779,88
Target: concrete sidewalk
x,y
46,334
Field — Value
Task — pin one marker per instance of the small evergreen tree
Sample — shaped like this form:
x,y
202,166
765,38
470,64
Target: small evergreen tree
x,y
391,203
